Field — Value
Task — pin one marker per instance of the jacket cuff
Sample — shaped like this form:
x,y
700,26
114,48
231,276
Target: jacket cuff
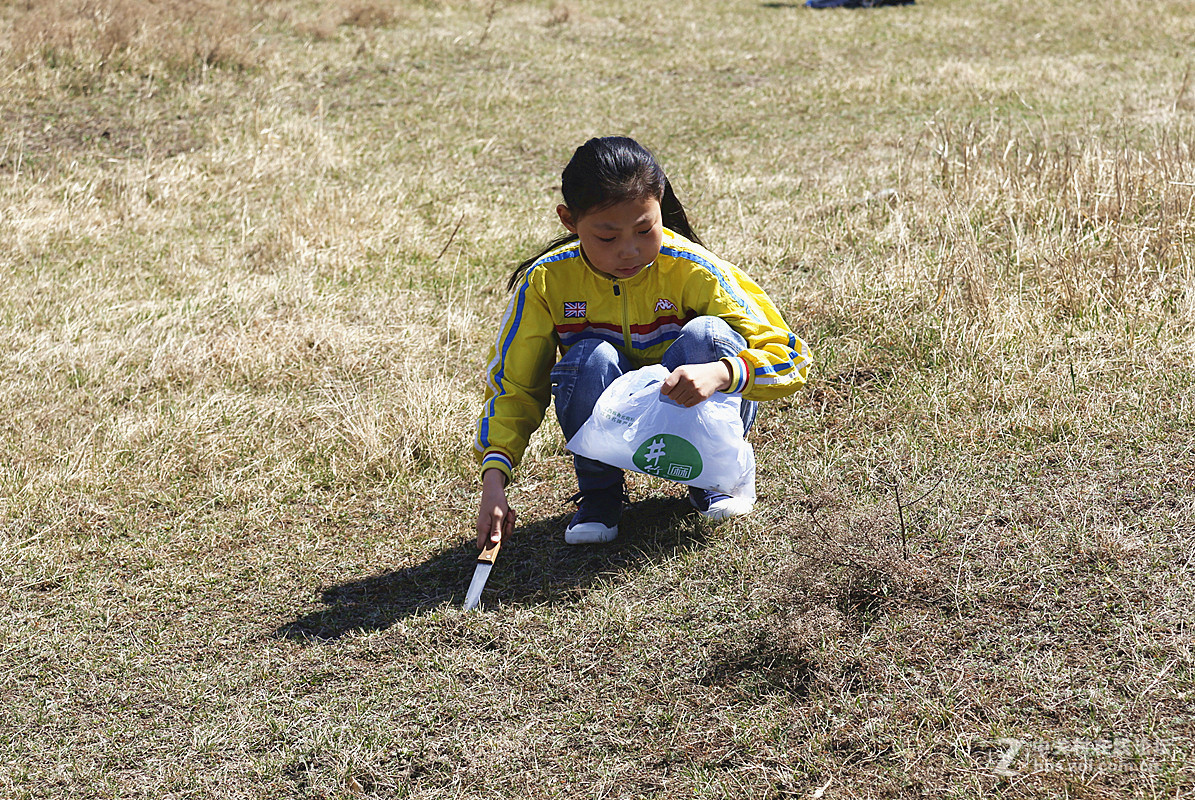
x,y
739,373
499,461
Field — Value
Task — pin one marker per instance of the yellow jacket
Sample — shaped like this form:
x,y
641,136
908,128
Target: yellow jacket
x,y
563,299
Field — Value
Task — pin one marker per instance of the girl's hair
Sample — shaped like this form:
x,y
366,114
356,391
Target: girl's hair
x,y
607,171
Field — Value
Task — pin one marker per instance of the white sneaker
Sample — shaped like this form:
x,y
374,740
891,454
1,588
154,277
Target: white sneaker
x,y
717,506
596,520
589,533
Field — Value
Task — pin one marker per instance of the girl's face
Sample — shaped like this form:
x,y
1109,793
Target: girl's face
x,y
619,240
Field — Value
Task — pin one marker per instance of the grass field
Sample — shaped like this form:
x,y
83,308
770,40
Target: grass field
x,y
252,255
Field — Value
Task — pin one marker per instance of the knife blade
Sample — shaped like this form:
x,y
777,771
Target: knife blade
x,y
481,573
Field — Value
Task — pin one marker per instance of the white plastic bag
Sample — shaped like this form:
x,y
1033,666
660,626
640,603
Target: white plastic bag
x,y
635,427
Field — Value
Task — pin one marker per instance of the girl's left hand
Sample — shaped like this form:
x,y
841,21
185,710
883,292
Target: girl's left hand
x,y
690,384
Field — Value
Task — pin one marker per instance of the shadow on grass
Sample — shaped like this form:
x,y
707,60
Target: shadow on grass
x,y
535,567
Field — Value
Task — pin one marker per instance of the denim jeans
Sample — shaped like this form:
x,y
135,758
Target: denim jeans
x,y
591,365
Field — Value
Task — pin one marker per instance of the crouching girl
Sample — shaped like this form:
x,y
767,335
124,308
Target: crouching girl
x,y
628,285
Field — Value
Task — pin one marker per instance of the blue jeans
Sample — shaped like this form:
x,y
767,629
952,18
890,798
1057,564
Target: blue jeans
x,y
591,365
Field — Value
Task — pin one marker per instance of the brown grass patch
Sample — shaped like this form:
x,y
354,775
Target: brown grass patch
x,y
108,36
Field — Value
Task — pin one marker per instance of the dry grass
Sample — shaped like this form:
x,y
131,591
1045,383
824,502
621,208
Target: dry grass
x,y
252,255
77,38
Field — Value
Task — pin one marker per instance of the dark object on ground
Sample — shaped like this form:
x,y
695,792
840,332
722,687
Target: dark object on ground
x,y
856,3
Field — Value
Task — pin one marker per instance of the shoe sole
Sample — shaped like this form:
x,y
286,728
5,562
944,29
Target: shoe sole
x,y
725,510
590,533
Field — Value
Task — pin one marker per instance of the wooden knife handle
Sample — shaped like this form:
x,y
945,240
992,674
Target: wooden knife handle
x,y
490,553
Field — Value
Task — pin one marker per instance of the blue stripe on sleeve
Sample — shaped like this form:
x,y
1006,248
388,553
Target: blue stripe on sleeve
x,y
483,433
501,459
773,369
728,285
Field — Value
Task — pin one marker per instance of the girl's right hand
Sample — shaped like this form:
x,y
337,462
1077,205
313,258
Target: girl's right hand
x,y
690,384
495,519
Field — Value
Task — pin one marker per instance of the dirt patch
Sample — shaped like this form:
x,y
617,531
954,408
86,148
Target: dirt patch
x,y
42,138
765,665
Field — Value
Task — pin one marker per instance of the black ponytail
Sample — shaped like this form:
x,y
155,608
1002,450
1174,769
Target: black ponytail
x,y
522,268
673,214
607,171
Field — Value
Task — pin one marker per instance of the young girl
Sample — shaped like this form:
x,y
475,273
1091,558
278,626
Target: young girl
x,y
628,285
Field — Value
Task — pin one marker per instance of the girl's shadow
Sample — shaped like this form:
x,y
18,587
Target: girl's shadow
x,y
535,567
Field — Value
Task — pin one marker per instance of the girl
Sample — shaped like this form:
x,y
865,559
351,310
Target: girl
x,y
628,285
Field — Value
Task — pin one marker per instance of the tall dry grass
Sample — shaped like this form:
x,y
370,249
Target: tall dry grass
x,y
96,37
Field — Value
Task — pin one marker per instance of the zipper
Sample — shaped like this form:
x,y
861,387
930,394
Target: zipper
x,y
626,326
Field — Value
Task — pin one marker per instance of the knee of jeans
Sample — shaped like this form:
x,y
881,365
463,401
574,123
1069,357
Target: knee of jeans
x,y
585,356
571,362
710,327
583,350
716,331
589,354
703,326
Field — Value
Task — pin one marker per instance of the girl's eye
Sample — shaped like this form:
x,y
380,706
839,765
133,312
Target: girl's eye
x,y
600,239
645,233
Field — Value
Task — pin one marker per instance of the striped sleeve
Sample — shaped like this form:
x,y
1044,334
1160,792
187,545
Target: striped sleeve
x,y
776,369
518,383
739,370
776,361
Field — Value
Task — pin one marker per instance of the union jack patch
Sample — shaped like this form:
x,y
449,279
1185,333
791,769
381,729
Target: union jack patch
x,y
664,305
574,309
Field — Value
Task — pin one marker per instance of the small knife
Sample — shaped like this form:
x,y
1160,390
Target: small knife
x,y
481,573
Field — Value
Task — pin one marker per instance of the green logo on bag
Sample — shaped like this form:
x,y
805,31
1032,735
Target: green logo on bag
x,y
669,456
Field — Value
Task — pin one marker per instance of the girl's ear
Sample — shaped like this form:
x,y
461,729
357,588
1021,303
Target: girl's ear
x,y
566,219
